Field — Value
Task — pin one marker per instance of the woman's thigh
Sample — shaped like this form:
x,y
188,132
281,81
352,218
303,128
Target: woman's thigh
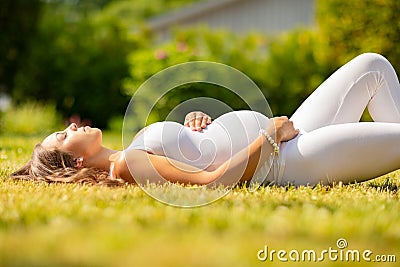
x,y
343,152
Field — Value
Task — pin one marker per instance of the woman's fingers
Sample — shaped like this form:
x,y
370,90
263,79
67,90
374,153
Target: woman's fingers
x,y
189,119
284,129
198,123
197,120
205,120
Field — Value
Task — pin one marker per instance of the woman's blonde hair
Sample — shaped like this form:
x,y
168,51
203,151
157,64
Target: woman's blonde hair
x,y
53,165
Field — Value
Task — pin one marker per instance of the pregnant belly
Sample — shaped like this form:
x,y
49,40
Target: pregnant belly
x,y
206,150
217,143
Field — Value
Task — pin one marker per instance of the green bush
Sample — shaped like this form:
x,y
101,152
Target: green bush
x,y
247,54
77,65
287,68
88,58
30,118
115,124
296,66
77,56
354,27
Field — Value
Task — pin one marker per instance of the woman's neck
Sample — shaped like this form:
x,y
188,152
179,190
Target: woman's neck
x,y
101,159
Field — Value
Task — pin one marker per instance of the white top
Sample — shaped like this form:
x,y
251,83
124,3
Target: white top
x,y
219,141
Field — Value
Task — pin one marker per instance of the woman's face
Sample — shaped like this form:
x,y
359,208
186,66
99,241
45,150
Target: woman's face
x,y
81,142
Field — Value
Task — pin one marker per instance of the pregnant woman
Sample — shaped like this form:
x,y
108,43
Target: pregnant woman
x,y
323,142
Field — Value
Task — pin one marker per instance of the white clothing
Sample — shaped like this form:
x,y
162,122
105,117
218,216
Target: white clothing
x,y
333,144
337,147
218,142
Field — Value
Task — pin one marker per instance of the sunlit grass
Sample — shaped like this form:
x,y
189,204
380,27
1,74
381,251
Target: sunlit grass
x,y
76,225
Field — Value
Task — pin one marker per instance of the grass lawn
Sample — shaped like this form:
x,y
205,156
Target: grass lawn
x,y
76,225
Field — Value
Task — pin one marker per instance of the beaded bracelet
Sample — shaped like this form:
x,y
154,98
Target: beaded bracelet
x,y
271,141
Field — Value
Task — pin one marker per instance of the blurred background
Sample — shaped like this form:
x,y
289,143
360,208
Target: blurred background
x,y
81,60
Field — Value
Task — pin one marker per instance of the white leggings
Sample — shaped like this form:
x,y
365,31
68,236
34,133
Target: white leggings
x,y
334,145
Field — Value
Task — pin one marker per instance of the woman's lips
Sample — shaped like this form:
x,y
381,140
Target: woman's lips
x,y
85,128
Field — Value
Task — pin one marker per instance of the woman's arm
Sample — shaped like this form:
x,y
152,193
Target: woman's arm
x,y
247,161
159,169
153,168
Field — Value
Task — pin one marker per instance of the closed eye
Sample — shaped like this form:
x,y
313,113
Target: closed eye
x,y
61,136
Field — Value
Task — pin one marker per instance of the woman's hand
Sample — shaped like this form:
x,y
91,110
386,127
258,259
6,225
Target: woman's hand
x,y
284,129
197,120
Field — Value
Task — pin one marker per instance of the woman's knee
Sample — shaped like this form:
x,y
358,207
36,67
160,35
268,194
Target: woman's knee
x,y
373,60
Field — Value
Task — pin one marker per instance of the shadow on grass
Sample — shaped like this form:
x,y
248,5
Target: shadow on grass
x,y
387,185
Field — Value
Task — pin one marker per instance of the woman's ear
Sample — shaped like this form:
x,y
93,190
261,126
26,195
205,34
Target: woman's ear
x,y
79,163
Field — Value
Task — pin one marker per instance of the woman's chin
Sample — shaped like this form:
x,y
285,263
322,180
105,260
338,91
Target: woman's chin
x,y
93,130
100,134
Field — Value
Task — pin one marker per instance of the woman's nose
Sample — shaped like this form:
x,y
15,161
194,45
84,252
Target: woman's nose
x,y
73,127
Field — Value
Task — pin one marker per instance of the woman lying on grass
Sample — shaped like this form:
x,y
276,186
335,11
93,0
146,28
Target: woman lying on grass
x,y
331,145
